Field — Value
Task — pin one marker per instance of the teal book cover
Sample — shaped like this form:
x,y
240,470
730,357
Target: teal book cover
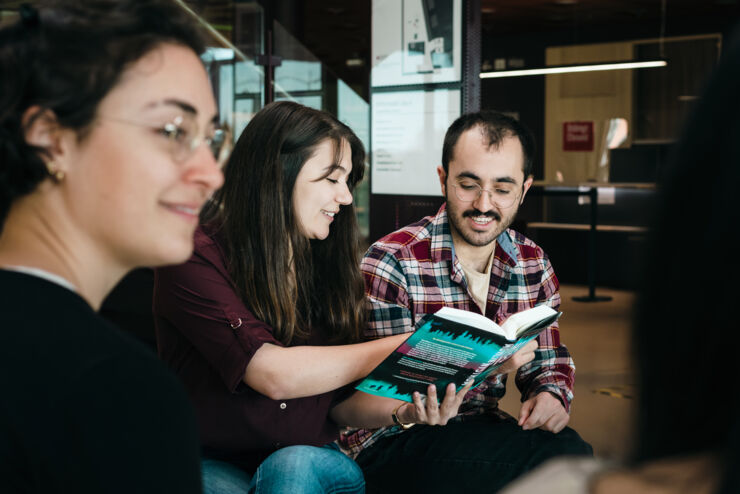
x,y
442,351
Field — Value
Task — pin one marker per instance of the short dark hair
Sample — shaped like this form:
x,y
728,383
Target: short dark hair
x,y
254,211
495,126
65,57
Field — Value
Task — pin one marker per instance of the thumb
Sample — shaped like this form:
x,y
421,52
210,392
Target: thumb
x,y
525,411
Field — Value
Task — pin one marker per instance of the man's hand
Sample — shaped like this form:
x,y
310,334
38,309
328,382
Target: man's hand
x,y
524,355
543,411
432,412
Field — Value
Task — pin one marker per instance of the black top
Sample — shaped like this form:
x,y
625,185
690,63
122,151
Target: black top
x,y
84,407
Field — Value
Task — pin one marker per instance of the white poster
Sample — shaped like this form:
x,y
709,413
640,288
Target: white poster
x,y
408,129
415,42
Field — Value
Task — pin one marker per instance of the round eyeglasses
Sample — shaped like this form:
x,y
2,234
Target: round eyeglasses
x,y
504,194
184,138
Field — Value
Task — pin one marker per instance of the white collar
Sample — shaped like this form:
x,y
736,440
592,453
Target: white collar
x,y
40,273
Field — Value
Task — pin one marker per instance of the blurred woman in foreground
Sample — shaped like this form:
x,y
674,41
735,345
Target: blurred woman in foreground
x,y
107,133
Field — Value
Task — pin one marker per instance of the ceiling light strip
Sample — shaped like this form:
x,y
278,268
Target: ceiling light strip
x,y
574,68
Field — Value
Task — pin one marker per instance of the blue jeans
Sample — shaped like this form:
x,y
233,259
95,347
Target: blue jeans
x,y
294,470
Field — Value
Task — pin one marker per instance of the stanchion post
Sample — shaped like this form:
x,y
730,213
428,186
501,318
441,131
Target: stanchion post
x,y
593,194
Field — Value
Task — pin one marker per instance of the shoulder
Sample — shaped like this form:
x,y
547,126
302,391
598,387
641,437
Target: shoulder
x,y
39,311
527,249
208,245
412,241
533,266
206,266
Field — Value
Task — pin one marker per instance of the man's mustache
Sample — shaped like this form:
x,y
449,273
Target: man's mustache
x,y
475,212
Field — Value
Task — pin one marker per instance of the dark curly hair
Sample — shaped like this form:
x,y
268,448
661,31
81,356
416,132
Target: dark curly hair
x,y
65,57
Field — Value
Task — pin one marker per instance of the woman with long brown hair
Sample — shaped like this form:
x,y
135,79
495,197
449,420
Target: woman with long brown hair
x,y
264,323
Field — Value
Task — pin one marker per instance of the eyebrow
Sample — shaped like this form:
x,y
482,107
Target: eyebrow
x,y
331,168
473,176
336,166
184,106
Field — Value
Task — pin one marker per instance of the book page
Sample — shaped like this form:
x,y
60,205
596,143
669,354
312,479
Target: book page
x,y
469,318
519,323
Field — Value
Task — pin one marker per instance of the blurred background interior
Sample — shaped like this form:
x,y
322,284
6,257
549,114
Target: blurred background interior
x,y
602,139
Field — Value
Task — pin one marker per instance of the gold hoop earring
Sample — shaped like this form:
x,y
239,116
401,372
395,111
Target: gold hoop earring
x,y
56,174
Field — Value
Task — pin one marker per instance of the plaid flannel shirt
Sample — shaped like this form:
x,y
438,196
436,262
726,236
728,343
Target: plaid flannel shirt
x,y
414,272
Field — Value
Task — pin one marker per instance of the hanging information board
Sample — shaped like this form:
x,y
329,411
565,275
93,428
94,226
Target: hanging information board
x,y
408,129
416,42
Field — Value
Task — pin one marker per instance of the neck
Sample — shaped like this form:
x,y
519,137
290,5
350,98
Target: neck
x,y
32,237
475,257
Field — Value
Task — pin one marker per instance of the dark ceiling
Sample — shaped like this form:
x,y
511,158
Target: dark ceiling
x,y
338,30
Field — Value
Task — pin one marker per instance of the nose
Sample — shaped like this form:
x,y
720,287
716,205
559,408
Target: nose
x,y
203,169
344,195
483,203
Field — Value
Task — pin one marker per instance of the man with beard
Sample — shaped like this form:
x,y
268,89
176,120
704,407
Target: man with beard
x,y
466,257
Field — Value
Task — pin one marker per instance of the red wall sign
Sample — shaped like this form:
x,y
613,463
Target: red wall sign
x,y
578,136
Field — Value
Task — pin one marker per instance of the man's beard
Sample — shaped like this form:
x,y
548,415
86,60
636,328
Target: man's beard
x,y
457,222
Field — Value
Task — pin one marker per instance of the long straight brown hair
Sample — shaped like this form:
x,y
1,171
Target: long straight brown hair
x,y
294,284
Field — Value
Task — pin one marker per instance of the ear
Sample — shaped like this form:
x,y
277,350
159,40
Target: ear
x,y
525,187
442,180
42,130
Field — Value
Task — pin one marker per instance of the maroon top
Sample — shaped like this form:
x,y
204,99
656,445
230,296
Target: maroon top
x,y
207,336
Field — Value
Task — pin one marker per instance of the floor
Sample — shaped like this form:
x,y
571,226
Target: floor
x,y
597,335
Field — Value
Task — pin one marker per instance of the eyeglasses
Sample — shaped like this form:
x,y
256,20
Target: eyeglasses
x,y
184,138
503,195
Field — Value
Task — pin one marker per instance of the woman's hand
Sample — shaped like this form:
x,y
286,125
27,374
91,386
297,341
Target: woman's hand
x,y
432,412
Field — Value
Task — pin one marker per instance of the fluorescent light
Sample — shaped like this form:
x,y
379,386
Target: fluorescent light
x,y
574,68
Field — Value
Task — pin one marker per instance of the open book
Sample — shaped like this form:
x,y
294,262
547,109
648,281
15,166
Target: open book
x,y
454,345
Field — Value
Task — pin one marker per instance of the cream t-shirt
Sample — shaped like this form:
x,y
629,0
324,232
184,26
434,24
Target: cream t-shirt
x,y
478,283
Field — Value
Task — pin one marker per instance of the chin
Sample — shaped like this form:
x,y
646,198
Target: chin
x,y
172,254
478,239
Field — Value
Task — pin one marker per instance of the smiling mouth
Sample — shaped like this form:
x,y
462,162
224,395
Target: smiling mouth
x,y
187,211
330,214
481,220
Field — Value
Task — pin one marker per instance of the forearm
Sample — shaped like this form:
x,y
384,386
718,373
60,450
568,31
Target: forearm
x,y
365,411
546,375
552,368
295,372
554,383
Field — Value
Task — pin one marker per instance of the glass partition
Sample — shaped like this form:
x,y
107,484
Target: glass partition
x,y
235,40
302,78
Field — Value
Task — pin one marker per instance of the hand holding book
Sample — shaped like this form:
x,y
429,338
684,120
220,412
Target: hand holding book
x,y
521,357
429,410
